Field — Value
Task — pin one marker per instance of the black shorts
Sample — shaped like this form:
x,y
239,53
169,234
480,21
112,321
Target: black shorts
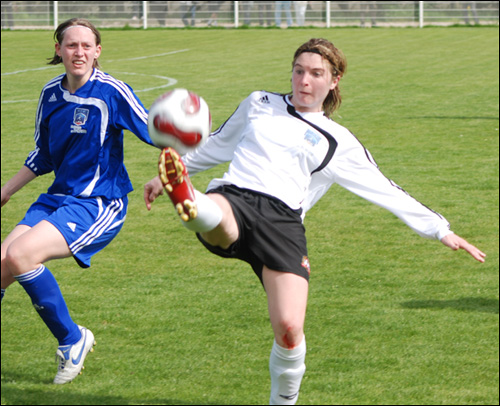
x,y
270,233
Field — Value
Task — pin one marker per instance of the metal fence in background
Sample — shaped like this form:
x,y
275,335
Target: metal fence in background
x,y
283,14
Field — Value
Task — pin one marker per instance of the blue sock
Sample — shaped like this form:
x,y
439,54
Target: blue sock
x,y
3,293
48,301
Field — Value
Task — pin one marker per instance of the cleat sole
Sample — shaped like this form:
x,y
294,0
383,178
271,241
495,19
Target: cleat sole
x,y
175,180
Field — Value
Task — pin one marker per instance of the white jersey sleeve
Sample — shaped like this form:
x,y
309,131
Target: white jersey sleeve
x,y
354,169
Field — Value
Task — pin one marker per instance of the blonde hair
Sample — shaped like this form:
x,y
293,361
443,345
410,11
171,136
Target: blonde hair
x,y
338,65
61,30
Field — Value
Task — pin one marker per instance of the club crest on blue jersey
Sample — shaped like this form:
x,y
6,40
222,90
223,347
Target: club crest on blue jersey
x,y
80,117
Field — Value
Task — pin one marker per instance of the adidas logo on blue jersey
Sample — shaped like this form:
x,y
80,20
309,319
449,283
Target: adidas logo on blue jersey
x,y
264,99
53,98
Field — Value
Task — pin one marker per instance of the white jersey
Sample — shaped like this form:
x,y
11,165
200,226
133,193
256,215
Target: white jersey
x,y
296,157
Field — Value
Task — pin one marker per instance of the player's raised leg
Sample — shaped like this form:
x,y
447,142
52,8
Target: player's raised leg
x,y
197,211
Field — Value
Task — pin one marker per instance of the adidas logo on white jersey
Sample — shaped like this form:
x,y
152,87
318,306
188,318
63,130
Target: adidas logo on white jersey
x,y
264,99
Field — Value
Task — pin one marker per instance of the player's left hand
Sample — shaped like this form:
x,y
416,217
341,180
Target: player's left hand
x,y
456,242
152,190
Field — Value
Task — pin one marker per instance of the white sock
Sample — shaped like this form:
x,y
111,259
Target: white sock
x,y
287,368
209,214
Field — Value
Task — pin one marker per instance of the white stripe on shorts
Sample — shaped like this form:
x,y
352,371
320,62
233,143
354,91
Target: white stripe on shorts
x,y
103,223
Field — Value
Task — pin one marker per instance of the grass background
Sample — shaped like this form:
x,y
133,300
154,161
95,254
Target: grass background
x,y
392,318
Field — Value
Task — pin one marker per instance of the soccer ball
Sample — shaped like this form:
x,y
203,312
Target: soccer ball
x,y
179,119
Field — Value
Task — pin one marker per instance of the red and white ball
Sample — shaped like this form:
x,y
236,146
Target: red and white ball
x,y
179,119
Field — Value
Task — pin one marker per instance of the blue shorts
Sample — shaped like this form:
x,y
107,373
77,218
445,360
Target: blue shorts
x,y
87,224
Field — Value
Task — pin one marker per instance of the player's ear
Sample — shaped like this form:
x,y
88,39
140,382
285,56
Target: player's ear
x,y
97,51
58,49
335,82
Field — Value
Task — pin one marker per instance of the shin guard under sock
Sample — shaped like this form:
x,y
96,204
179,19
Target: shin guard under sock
x,y
48,301
209,214
287,368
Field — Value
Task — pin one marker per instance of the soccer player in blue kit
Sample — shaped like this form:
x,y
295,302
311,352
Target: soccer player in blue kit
x,y
79,127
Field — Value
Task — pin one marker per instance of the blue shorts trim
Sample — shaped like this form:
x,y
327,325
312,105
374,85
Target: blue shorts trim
x,y
87,224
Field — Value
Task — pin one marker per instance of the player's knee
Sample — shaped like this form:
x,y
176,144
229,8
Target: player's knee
x,y
16,259
290,334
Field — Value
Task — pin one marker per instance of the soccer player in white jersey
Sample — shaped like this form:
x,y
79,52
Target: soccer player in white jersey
x,y
284,153
80,120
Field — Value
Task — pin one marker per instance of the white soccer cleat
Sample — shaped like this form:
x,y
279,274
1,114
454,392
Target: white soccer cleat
x,y
71,357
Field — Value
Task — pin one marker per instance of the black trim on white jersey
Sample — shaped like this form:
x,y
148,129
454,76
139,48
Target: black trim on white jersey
x,y
331,140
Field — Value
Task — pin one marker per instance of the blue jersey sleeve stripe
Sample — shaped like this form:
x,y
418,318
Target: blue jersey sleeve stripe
x,y
125,92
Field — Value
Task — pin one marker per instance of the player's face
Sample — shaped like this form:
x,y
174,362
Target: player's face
x,y
78,51
312,80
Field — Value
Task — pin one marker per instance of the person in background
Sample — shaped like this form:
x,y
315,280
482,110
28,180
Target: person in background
x,y
470,7
300,12
188,9
265,13
287,7
368,8
213,9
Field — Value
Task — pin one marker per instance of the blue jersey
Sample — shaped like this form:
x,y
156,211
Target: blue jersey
x,y
80,136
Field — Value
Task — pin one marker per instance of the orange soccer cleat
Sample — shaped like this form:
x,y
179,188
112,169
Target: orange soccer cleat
x,y
175,180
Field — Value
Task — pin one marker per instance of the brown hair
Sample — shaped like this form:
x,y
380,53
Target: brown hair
x,y
338,65
59,37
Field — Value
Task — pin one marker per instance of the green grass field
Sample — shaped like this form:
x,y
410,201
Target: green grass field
x,y
392,318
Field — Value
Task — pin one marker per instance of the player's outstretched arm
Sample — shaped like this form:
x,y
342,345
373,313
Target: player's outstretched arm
x,y
152,190
24,176
456,242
